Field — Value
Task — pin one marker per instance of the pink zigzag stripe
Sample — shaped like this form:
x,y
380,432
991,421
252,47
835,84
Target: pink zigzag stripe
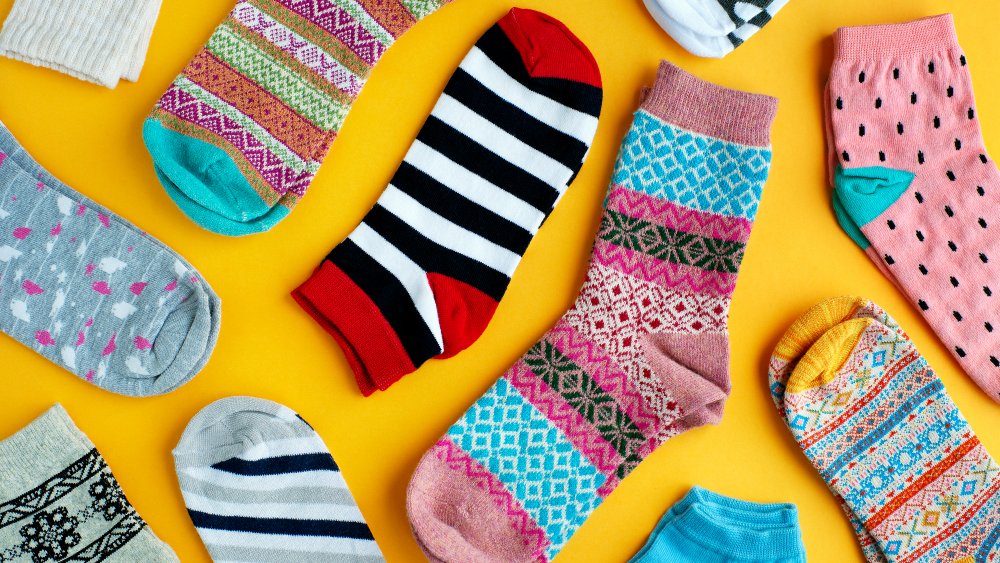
x,y
305,52
676,276
580,432
606,373
271,168
341,25
457,460
677,217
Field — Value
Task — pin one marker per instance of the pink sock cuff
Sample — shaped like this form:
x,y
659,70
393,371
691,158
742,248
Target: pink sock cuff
x,y
927,35
685,100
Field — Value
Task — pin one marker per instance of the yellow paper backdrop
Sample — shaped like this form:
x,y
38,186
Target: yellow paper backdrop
x,y
89,137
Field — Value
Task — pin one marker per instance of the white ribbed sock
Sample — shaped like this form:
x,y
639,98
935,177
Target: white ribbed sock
x,y
99,41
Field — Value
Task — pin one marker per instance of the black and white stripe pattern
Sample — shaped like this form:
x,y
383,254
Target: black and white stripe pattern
x,y
486,169
261,486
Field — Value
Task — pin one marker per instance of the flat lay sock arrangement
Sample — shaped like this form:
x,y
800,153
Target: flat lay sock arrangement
x,y
712,28
238,137
422,275
60,502
913,184
100,41
881,430
641,356
91,292
261,486
706,527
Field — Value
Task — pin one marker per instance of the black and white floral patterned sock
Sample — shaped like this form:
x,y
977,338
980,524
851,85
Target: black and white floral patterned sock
x,y
60,502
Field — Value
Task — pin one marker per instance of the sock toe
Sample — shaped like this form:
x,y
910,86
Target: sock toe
x,y
549,48
204,173
455,519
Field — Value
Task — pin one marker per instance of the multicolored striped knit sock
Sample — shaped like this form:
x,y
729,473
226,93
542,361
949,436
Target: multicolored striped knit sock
x,y
423,273
238,137
876,422
261,486
641,356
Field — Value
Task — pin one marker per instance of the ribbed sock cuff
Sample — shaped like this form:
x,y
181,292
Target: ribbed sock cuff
x,y
99,41
43,447
926,35
703,107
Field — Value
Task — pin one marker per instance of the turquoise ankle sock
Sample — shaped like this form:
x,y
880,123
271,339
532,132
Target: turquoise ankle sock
x,y
706,527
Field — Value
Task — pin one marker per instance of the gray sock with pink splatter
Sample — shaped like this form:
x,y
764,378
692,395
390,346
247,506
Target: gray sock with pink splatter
x,y
91,292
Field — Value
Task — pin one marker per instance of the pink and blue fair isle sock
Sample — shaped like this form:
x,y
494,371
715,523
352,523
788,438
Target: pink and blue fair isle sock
x,y
641,356
239,135
92,293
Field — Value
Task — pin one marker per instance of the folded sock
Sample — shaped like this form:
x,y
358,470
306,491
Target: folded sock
x,y
877,424
713,28
60,502
238,137
913,178
99,41
424,272
91,292
641,356
261,486
706,527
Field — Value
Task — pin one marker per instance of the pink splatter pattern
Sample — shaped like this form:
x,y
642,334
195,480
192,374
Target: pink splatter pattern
x,y
80,339
89,270
80,210
31,288
21,233
101,287
171,286
137,288
56,230
104,220
44,338
142,344
111,346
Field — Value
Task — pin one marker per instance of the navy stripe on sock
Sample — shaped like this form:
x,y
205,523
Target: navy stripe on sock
x,y
279,465
283,526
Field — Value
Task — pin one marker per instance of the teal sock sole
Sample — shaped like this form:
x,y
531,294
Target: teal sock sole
x,y
206,184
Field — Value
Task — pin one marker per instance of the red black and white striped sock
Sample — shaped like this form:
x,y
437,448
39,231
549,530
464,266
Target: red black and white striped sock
x,y
423,273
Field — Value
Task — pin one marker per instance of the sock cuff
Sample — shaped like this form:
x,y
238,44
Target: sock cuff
x,y
703,107
87,40
49,442
927,35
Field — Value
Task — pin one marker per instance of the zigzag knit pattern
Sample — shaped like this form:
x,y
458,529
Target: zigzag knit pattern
x,y
270,90
613,379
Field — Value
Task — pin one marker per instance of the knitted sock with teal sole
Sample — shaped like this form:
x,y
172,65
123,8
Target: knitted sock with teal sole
x,y
238,137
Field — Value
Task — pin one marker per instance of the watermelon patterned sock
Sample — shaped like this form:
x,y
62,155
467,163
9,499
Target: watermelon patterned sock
x,y
913,182
641,356
239,135
423,273
878,425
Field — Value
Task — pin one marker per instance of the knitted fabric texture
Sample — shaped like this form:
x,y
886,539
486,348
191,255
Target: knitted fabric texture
x,y
91,292
238,137
712,28
913,183
706,527
424,272
261,487
641,356
878,425
100,41
60,502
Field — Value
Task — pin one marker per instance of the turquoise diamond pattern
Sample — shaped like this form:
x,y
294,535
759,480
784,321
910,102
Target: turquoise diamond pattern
x,y
692,170
554,482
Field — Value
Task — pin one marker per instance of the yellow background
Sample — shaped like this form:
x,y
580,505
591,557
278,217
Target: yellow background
x,y
89,137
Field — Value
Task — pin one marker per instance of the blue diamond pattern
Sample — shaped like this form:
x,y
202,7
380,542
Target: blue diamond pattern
x,y
690,169
878,359
554,482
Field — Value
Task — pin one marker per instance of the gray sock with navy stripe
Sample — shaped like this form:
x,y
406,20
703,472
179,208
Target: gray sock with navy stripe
x,y
260,486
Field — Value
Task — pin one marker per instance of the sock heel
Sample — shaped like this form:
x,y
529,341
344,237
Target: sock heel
x,y
696,368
